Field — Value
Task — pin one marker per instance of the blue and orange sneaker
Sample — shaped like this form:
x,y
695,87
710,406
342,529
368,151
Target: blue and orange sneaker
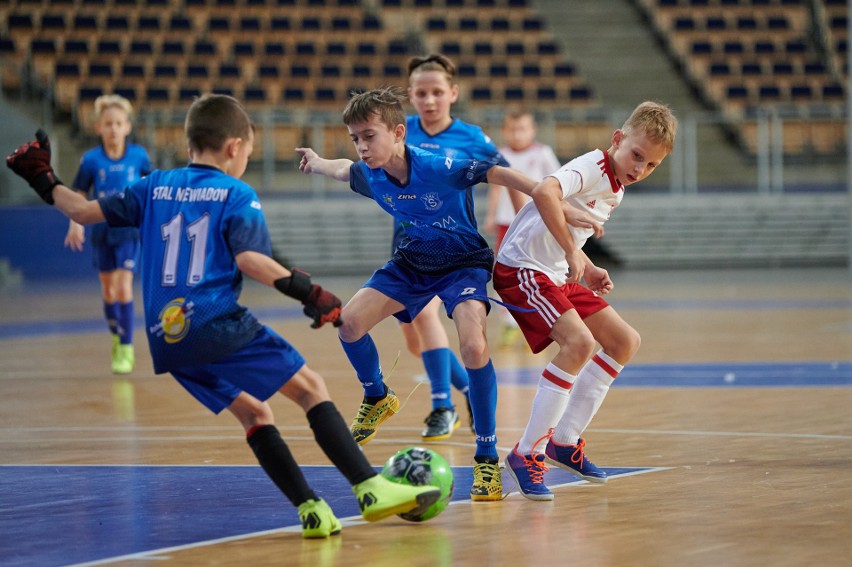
x,y
573,459
528,472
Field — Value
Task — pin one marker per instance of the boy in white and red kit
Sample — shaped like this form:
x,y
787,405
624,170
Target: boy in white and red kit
x,y
539,269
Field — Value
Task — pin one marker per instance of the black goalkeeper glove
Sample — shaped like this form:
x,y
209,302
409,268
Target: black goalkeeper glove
x,y
32,162
320,305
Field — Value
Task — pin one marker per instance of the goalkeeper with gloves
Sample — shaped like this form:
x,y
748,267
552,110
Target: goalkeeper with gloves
x,y
202,228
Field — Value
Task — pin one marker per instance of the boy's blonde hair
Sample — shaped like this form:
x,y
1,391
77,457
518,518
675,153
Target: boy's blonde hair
x,y
212,119
104,102
384,102
655,120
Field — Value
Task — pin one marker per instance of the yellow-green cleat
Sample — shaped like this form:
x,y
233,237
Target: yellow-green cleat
x,y
123,359
487,482
379,498
370,416
318,520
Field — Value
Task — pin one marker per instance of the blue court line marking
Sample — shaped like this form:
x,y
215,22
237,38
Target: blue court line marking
x,y
22,329
100,513
711,375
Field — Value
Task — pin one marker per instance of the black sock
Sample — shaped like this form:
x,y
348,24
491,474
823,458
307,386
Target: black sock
x,y
275,458
373,400
335,439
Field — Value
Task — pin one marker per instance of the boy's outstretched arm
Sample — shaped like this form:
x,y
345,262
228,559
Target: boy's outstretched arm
x,y
31,161
320,305
311,162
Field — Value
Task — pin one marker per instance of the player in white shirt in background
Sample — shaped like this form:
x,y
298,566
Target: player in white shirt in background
x,y
537,160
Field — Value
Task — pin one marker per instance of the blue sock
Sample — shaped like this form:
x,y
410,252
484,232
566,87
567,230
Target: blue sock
x,y
483,401
124,317
364,358
458,375
111,315
437,363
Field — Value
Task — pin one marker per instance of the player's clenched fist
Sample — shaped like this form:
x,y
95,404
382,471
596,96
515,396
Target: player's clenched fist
x,y
32,162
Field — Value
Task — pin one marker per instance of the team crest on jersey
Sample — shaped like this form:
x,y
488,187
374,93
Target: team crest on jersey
x,y
591,204
387,199
174,320
432,201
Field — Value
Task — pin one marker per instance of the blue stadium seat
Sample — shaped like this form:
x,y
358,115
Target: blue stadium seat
x,y
746,23
336,48
132,71
564,70
546,94
531,70
771,92
325,94
76,46
466,69
310,23
330,71
293,94
204,48
180,24
782,68
141,47
117,23
299,71
701,48
451,48
483,49
52,22
763,47
218,24
371,23
360,70
468,24
751,68
481,94
513,93
532,24
814,68
733,47
84,22
172,48
229,71
515,48
243,49
436,24
341,23
392,70
42,46
197,72
397,47
188,94
306,48
127,91
796,46
684,23
279,23
500,24
274,49
833,91
801,92
88,93
67,69
720,69
165,71
268,72
255,95
250,25
108,47
100,70
776,23
148,23
737,92
580,93
367,48
500,70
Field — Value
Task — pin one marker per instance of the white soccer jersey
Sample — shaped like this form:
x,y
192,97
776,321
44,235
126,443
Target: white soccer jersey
x,y
588,183
537,162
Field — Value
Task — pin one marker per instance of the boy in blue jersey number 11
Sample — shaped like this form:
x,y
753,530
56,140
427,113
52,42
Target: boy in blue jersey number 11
x,y
441,254
201,228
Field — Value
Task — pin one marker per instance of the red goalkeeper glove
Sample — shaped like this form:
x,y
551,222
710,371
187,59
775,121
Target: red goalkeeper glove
x,y
320,305
32,162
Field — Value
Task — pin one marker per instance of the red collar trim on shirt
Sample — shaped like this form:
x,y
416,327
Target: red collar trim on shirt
x,y
606,167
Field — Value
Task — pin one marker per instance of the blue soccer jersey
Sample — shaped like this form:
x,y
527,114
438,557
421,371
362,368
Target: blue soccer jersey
x,y
193,221
459,140
100,176
434,208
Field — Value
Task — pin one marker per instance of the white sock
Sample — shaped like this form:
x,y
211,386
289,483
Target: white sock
x,y
589,391
551,399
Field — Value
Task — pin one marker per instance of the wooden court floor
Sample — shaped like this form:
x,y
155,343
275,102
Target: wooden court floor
x,y
737,411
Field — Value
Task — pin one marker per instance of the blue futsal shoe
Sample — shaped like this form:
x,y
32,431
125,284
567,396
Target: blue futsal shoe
x,y
528,472
573,459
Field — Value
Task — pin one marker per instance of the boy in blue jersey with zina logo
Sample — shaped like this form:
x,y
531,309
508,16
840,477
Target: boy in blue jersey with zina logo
x,y
202,228
441,254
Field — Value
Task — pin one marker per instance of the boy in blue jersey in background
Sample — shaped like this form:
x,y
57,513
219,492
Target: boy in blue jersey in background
x,y
201,229
442,254
105,170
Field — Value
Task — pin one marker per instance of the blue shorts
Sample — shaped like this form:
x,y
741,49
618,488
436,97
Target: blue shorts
x,y
260,368
415,291
124,255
